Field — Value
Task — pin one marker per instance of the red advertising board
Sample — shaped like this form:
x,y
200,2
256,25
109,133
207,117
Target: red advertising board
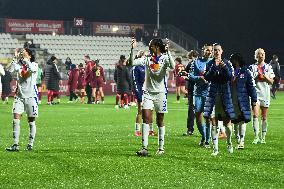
x,y
34,26
103,28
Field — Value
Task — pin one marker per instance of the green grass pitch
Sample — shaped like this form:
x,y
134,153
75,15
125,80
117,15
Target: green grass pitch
x,y
92,146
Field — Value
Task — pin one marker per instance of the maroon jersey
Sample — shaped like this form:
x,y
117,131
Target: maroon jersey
x,y
81,79
179,80
178,68
73,79
89,69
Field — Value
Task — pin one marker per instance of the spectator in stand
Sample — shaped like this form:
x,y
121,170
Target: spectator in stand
x,y
122,79
99,79
88,77
276,69
6,87
2,73
68,64
52,78
72,82
192,55
81,83
39,83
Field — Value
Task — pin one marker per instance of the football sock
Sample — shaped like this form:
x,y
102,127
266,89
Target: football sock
x,y
200,128
221,126
255,125
32,132
16,131
242,128
117,97
264,128
145,134
229,134
215,135
207,132
237,130
137,126
151,127
161,137
178,97
39,95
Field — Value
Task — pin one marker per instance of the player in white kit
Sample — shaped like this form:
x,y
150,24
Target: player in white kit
x,y
263,75
26,99
154,90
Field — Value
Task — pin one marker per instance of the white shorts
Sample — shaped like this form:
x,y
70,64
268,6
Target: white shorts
x,y
263,103
155,100
28,105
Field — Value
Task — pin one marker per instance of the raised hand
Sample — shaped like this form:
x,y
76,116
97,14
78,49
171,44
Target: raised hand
x,y
167,46
133,43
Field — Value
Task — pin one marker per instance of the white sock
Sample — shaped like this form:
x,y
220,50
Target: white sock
x,y
242,130
16,131
264,128
237,131
151,126
255,125
229,134
161,137
32,133
137,126
221,126
215,135
6,99
145,134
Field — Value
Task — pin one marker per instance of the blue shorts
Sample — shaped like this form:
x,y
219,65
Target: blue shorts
x,y
199,103
137,89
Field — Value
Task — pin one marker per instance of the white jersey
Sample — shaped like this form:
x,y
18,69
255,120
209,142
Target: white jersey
x,y
262,87
156,73
26,83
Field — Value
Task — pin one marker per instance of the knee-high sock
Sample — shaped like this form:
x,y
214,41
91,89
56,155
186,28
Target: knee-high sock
x,y
207,132
264,128
161,137
242,130
117,97
221,126
16,131
201,129
39,95
229,134
151,127
215,135
145,134
32,132
237,131
137,126
255,125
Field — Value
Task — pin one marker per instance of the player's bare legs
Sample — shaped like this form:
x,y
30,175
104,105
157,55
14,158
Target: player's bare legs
x,y
264,112
102,94
255,123
178,94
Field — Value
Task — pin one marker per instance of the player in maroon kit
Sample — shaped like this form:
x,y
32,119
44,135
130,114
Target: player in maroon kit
x,y
99,79
180,81
88,77
81,83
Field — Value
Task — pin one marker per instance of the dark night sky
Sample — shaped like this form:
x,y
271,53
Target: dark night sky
x,y
240,25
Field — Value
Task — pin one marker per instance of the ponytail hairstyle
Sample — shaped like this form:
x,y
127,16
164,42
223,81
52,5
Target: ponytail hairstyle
x,y
158,43
238,58
30,54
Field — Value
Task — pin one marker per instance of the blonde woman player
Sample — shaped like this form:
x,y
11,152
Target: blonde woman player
x,y
154,90
263,75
